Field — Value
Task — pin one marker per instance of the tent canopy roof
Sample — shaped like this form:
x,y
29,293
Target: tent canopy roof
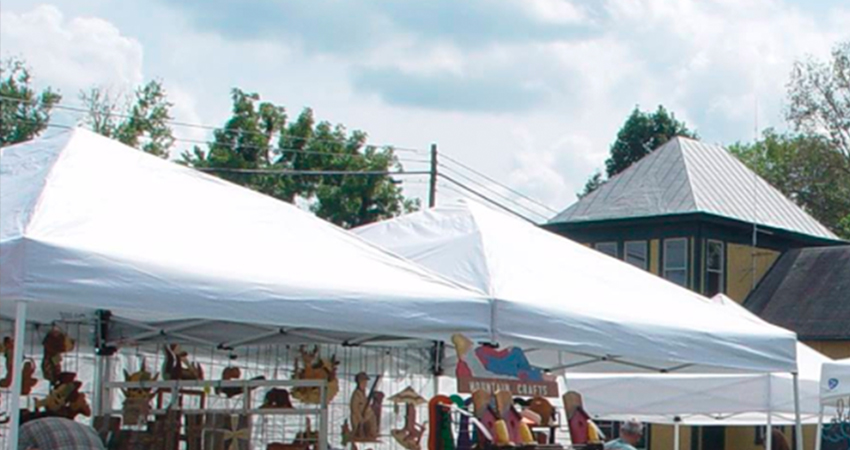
x,y
88,223
550,292
835,380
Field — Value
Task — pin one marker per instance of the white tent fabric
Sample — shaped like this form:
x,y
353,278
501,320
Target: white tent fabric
x,y
552,293
691,399
88,223
835,382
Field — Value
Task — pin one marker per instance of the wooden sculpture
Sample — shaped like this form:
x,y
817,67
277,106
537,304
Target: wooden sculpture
x,y
365,414
410,436
64,400
582,429
55,344
544,409
231,373
277,398
439,424
177,366
315,368
29,380
137,400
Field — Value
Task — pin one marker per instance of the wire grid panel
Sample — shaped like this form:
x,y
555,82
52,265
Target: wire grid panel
x,y
398,367
80,361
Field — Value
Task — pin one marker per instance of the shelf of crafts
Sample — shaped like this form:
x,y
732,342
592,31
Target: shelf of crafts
x,y
255,411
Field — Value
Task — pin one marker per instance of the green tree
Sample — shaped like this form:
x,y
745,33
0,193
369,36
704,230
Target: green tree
x,y
819,98
258,139
140,122
641,133
592,184
808,169
24,112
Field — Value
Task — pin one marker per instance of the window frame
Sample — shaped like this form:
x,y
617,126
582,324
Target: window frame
x,y
645,254
614,243
665,266
721,271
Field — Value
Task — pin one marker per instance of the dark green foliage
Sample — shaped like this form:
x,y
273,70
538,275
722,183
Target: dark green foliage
x,y
24,113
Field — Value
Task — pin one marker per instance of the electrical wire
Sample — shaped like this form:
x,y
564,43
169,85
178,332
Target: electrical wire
x,y
493,191
83,110
485,198
490,179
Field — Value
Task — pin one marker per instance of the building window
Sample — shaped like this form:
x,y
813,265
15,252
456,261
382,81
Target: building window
x,y
609,248
676,260
637,254
714,268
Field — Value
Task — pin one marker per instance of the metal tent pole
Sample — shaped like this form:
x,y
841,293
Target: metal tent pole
x,y
768,433
818,437
798,422
18,364
676,434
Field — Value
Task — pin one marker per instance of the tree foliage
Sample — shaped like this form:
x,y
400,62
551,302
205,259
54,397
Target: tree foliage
x,y
641,133
24,112
819,98
141,121
808,169
259,139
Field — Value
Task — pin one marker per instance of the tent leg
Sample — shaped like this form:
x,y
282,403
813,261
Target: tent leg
x,y
768,432
818,435
798,423
676,436
15,403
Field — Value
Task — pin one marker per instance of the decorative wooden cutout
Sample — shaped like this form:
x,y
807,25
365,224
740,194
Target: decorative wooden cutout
x,y
544,409
491,369
29,381
65,399
195,424
55,344
137,405
177,366
229,432
365,414
577,418
231,373
315,369
410,436
277,398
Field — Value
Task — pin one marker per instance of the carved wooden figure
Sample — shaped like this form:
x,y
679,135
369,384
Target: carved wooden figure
x,y
55,343
29,380
410,436
177,366
315,368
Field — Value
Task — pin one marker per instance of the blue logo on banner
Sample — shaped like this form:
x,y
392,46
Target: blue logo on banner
x,y
832,383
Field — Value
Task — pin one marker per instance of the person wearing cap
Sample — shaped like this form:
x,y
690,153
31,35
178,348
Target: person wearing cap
x,y
631,432
57,433
363,420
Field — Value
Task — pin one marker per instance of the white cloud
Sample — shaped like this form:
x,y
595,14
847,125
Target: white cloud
x,y
72,54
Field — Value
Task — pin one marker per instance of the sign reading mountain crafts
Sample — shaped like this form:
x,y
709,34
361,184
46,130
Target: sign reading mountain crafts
x,y
491,369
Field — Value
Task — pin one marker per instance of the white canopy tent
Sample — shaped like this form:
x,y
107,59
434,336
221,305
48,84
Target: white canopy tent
x,y
835,395
600,313
719,399
89,224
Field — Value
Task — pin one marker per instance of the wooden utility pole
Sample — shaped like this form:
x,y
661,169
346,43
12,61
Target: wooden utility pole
x,y
432,188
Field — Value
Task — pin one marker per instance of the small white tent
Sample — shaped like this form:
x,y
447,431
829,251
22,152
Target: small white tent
x,y
707,399
552,293
835,401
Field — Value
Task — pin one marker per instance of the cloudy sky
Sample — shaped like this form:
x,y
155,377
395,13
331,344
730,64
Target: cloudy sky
x,y
530,92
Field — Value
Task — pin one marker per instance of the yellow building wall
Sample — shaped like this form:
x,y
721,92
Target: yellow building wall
x,y
833,349
739,268
662,438
654,256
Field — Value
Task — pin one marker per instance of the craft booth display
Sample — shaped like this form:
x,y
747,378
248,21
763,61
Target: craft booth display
x,y
410,435
315,368
365,412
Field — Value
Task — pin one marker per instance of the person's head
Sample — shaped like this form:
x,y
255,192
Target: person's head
x,y
631,431
362,380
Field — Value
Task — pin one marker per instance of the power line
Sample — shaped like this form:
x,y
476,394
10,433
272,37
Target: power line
x,y
84,110
485,198
494,192
310,172
503,186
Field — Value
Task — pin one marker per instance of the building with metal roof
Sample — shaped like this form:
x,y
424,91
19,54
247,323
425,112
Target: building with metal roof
x,y
685,176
